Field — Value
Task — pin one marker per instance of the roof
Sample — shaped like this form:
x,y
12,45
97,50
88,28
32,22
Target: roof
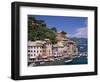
x,y
57,46
36,43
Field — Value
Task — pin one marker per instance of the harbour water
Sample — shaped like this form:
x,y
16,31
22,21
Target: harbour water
x,y
74,61
79,60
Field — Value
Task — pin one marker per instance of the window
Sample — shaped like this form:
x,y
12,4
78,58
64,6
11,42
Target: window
x,y
34,50
44,50
28,50
30,55
31,46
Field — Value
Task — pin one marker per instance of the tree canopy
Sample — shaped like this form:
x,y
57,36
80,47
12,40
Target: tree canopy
x,y
37,30
54,29
63,32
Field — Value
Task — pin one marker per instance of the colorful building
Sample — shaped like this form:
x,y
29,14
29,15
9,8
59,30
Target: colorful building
x,y
46,51
39,49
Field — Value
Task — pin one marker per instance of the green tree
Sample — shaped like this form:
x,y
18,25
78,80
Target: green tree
x,y
37,30
54,29
63,32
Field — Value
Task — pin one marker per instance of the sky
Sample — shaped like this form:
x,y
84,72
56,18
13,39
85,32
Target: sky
x,y
73,26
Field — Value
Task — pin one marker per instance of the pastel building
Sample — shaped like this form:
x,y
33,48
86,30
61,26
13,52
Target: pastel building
x,y
35,49
46,51
71,48
64,47
39,49
59,49
48,48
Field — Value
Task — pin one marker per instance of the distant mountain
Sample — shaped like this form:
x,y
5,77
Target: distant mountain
x,y
79,40
81,43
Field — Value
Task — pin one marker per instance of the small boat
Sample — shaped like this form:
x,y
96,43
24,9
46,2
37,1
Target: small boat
x,y
78,56
69,60
42,62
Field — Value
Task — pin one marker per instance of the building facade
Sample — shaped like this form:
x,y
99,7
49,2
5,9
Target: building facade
x,y
39,49
46,51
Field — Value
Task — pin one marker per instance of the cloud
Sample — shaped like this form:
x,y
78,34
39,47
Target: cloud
x,y
80,33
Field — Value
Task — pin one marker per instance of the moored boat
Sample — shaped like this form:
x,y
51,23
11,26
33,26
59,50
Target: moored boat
x,y
68,60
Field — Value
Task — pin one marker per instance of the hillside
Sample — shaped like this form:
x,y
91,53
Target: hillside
x,y
38,30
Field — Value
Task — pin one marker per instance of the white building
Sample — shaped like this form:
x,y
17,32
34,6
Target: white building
x,y
35,49
39,49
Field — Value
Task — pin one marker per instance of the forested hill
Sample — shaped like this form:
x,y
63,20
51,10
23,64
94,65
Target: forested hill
x,y
38,30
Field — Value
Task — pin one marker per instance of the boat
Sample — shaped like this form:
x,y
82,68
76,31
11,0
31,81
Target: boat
x,y
69,60
78,56
42,62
